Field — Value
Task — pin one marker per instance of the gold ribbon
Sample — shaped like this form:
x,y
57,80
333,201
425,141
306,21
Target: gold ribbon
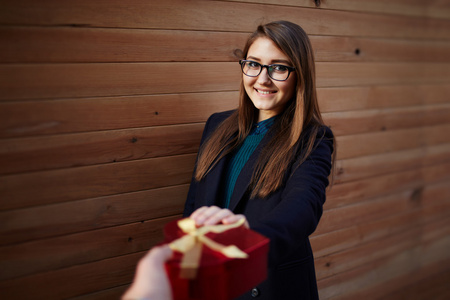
x,y
191,245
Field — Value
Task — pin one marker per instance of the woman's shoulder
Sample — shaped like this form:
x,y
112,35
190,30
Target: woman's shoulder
x,y
221,116
325,132
217,118
321,132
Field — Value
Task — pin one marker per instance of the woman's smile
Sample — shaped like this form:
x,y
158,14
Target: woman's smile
x,y
265,92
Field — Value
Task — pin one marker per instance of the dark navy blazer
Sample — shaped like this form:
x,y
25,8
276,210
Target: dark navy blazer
x,y
287,217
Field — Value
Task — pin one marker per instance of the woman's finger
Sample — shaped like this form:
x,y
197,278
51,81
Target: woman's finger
x,y
213,215
198,212
203,214
235,218
217,217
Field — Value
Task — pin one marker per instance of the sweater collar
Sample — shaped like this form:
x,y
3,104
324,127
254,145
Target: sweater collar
x,y
263,126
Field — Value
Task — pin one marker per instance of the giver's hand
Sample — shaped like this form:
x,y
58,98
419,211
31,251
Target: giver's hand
x,y
213,215
150,281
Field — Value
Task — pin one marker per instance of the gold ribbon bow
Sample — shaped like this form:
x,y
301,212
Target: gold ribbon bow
x,y
191,245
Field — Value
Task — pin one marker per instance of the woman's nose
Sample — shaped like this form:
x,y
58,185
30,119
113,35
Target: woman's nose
x,y
263,77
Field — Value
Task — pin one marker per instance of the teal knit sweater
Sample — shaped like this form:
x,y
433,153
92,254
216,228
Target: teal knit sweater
x,y
241,155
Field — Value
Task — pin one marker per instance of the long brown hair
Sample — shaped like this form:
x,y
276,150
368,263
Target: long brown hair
x,y
301,111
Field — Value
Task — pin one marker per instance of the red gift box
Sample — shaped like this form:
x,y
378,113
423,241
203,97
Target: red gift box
x,y
219,277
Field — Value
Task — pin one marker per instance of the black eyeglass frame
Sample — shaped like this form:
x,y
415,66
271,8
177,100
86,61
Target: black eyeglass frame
x,y
243,61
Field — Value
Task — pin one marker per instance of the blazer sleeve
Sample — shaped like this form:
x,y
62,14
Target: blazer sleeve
x,y
298,213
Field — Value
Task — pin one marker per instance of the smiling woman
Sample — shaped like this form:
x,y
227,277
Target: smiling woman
x,y
268,162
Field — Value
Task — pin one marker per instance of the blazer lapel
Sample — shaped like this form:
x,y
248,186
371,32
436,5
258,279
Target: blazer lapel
x,y
212,182
244,178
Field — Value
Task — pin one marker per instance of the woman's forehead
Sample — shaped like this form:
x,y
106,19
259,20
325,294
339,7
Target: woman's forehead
x,y
264,49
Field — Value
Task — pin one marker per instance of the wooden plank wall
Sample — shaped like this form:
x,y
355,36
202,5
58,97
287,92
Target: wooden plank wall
x,y
102,105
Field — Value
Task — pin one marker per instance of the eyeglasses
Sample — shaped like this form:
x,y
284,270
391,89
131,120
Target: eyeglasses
x,y
275,71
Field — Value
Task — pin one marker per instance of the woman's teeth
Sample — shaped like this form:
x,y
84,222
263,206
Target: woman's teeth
x,y
264,92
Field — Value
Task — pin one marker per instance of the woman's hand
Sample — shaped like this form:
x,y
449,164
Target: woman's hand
x,y
213,215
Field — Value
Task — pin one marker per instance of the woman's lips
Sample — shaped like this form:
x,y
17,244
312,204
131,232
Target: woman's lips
x,y
265,92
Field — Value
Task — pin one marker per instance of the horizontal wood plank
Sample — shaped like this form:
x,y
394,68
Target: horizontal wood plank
x,y
89,278
39,117
75,216
43,81
100,180
84,149
77,44
85,80
349,237
370,143
107,294
351,122
228,16
431,285
80,45
364,253
352,192
370,210
342,99
133,237
383,207
382,163
26,118
357,74
419,8
375,275
433,252
80,248
39,188
90,214
357,49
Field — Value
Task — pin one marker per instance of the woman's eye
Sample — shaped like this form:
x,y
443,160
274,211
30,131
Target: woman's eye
x,y
252,64
279,68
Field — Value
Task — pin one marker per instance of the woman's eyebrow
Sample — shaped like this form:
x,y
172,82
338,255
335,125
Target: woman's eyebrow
x,y
253,58
272,61
281,61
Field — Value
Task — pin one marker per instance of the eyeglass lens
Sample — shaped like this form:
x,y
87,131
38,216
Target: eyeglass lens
x,y
277,72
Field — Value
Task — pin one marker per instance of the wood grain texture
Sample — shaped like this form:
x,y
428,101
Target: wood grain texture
x,y
378,208
377,229
33,118
42,117
436,9
357,282
385,163
56,186
227,16
366,133
102,108
84,149
370,143
380,97
376,120
391,245
60,219
85,80
351,192
112,293
80,45
91,277
61,252
89,214
43,81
